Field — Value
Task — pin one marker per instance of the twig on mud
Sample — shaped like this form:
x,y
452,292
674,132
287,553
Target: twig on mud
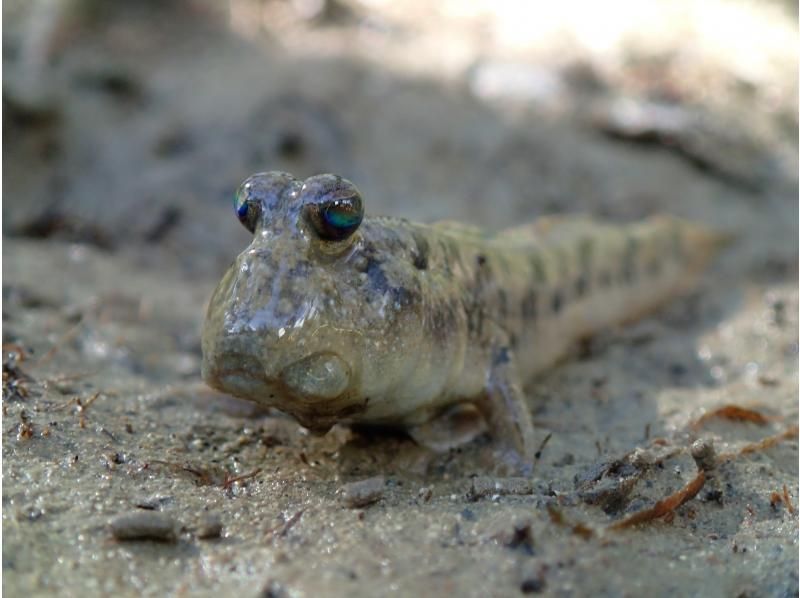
x,y
664,506
763,444
69,377
732,413
538,454
229,482
67,336
206,477
20,353
82,407
283,528
777,498
579,529
788,499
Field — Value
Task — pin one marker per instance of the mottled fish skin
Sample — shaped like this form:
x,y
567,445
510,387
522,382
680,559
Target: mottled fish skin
x,y
404,319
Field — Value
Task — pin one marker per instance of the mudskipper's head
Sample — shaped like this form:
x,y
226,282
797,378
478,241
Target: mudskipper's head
x,y
301,318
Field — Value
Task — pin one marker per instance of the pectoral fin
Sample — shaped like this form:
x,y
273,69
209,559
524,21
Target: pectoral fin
x,y
507,414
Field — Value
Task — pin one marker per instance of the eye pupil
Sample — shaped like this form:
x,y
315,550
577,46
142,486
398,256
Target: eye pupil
x,y
246,209
332,206
337,219
341,216
240,207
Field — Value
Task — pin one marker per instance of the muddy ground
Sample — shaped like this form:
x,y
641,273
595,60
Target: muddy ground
x,y
127,127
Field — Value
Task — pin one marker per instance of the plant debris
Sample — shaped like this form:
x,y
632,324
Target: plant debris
x,y
283,528
732,413
206,476
579,529
666,506
16,383
763,444
229,482
777,498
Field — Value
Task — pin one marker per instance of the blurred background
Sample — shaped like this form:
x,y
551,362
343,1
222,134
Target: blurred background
x,y
132,123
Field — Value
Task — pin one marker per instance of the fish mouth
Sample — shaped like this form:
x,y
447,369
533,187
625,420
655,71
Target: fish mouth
x,y
314,389
242,376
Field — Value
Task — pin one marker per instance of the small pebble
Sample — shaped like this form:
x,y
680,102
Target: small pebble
x,y
145,525
362,493
154,502
532,586
210,527
704,454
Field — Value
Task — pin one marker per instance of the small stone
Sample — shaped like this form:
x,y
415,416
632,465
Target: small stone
x,y
154,502
145,525
532,586
704,454
210,527
362,493
273,589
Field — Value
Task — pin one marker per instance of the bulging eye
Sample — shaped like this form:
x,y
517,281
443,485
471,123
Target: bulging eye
x,y
264,191
333,206
339,218
248,209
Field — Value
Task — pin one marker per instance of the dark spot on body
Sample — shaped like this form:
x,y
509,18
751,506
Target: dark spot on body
x,y
513,340
404,296
376,276
474,313
501,356
502,303
442,323
529,305
557,302
580,286
538,269
381,285
300,269
629,261
585,256
484,300
421,251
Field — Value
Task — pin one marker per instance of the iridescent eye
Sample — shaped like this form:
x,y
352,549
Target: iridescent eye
x,y
248,209
262,192
333,206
